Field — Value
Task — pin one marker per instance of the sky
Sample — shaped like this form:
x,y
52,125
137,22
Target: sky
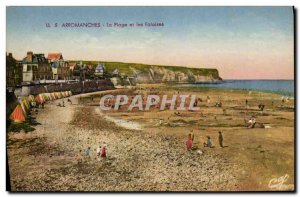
x,y
241,42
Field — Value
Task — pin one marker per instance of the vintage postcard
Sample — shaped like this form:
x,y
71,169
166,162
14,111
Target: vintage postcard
x,y
150,99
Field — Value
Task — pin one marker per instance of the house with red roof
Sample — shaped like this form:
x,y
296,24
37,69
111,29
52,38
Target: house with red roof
x,y
55,57
60,67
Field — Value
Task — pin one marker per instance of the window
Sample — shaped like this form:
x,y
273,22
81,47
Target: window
x,y
24,67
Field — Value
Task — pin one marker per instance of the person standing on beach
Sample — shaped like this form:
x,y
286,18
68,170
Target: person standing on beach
x,y
189,143
103,152
221,139
98,151
208,99
192,135
87,152
208,144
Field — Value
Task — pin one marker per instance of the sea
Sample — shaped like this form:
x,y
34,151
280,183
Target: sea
x,y
282,87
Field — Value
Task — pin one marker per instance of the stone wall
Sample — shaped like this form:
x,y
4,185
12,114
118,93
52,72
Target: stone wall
x,y
76,88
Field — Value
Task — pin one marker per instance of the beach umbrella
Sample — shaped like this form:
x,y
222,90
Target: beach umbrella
x,y
17,115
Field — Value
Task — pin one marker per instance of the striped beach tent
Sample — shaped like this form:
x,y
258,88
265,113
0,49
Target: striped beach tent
x,y
17,115
43,97
57,95
26,103
31,98
38,99
53,96
46,97
28,99
23,107
49,96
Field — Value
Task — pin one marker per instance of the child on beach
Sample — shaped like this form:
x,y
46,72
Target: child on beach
x,y
208,144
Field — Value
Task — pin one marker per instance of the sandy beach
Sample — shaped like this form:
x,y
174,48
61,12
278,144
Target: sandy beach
x,y
146,151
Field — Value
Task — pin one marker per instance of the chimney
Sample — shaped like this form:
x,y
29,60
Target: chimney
x,y
29,56
10,55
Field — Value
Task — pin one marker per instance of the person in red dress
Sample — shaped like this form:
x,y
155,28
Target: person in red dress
x,y
189,143
103,152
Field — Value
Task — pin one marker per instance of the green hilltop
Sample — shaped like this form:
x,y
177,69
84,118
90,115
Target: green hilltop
x,y
128,68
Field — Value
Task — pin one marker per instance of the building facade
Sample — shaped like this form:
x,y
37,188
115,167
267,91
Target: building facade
x,y
13,71
60,67
35,68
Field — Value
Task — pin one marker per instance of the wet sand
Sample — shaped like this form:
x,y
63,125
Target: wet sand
x,y
146,150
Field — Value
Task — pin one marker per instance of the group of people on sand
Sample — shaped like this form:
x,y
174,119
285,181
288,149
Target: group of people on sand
x,y
208,143
100,152
251,123
62,104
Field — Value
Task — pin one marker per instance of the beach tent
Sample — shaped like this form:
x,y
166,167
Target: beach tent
x,y
43,97
26,103
56,95
38,99
23,107
70,93
17,115
30,98
49,96
53,95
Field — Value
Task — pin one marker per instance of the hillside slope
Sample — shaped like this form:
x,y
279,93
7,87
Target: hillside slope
x,y
144,73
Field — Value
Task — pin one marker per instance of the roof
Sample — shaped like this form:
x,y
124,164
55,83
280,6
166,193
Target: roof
x,y
116,71
55,56
36,58
72,65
